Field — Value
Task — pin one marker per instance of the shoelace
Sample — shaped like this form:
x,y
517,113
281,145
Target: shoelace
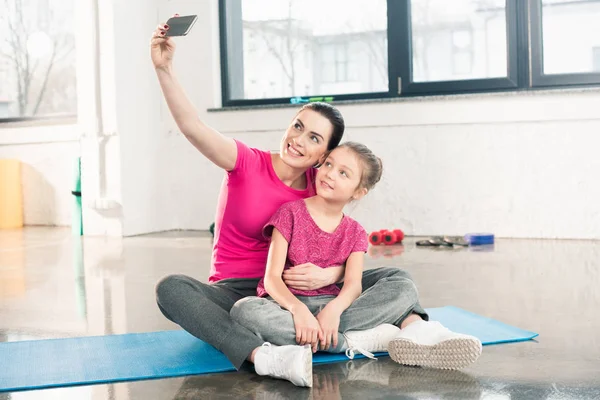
x,y
267,345
351,352
275,363
353,348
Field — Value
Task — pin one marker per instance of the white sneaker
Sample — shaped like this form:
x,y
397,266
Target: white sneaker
x,y
370,341
430,344
293,363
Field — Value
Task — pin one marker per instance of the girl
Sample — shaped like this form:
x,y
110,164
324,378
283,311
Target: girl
x,y
316,230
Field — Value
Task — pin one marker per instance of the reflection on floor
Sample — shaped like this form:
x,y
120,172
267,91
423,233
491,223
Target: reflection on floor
x,y
53,285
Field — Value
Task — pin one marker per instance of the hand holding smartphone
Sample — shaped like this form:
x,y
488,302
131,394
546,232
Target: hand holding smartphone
x,y
180,26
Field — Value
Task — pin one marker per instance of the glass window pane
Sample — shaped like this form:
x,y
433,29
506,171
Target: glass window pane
x,y
570,35
341,72
296,50
465,41
341,52
596,57
329,73
37,58
327,54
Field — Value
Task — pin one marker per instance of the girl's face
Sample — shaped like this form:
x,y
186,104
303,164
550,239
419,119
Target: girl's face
x,y
306,139
338,179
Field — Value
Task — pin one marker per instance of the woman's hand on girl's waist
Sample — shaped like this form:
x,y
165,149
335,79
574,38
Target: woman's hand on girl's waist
x,y
309,276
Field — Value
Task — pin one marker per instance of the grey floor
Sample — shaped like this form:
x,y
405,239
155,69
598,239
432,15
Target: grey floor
x,y
52,285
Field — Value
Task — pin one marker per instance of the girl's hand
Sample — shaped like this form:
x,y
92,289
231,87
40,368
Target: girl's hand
x,y
162,47
329,321
307,327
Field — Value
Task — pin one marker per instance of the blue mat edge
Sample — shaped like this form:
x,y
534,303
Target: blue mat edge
x,y
526,334
326,359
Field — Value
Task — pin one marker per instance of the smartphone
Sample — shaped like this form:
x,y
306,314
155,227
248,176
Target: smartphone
x,y
180,26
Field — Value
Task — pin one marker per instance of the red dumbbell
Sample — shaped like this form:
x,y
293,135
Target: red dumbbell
x,y
376,238
389,238
386,237
399,235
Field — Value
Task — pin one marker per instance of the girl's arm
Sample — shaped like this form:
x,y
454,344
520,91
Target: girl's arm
x,y
274,284
308,330
329,317
352,283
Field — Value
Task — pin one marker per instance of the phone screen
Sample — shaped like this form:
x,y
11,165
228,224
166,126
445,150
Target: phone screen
x,y
180,26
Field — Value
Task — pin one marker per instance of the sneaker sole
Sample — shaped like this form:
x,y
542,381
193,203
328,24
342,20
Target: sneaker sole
x,y
306,367
450,354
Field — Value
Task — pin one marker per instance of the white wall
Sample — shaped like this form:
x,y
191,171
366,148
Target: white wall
x,y
148,170
125,151
518,165
515,165
47,156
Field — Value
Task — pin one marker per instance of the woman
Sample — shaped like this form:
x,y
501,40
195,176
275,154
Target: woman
x,y
256,184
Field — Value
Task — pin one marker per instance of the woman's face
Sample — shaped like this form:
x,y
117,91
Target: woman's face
x,y
306,139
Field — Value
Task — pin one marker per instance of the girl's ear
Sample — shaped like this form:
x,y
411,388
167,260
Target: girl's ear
x,y
359,194
322,160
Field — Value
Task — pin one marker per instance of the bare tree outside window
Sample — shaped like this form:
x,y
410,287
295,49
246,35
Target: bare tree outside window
x,y
283,39
37,58
341,49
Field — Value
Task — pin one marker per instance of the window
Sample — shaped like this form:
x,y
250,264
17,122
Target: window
x,y
468,43
390,48
37,59
565,36
330,51
570,32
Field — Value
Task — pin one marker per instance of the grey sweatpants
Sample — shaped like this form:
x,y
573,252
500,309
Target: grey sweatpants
x,y
204,309
389,300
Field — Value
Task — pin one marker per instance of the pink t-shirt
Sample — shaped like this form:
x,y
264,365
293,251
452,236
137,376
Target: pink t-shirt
x,y
250,194
308,243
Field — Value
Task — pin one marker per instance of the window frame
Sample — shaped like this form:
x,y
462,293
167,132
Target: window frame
x,y
524,58
230,36
403,32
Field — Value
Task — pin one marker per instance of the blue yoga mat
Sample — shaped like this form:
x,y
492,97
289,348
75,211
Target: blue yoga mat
x,y
50,363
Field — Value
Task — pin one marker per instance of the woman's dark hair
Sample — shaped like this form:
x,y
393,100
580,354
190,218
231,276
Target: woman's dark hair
x,y
334,116
372,165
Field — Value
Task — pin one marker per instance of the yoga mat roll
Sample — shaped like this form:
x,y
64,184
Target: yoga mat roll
x,y
11,195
